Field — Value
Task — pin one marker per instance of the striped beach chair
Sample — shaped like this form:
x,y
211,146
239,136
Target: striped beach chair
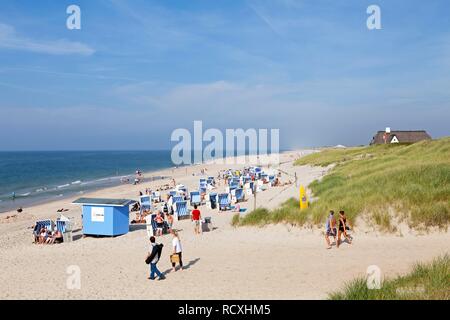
x,y
210,181
182,210
146,203
49,224
195,198
156,196
177,199
155,225
224,201
239,194
62,226
173,193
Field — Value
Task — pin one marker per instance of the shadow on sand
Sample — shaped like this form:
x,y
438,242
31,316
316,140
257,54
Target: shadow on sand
x,y
185,267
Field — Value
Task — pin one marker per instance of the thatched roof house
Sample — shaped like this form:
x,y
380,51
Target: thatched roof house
x,y
398,136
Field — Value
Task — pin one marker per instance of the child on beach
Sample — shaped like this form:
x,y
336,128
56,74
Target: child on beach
x,y
344,225
330,229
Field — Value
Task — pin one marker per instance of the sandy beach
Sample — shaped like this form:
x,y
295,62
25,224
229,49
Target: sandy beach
x,y
273,262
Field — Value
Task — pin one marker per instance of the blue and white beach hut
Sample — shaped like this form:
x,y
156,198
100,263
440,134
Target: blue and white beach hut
x,y
105,217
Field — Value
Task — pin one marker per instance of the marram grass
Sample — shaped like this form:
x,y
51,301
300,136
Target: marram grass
x,y
413,181
430,281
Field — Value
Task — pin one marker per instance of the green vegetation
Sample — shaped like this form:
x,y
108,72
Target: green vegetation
x,y
288,212
385,182
425,282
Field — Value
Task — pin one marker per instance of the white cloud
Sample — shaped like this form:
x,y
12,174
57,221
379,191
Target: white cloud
x,y
9,39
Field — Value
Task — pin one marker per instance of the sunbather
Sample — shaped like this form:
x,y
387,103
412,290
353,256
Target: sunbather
x,y
43,235
159,224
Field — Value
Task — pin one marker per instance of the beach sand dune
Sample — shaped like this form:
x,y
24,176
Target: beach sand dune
x,y
273,262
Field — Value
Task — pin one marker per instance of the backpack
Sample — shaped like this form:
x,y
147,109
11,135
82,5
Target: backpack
x,y
151,256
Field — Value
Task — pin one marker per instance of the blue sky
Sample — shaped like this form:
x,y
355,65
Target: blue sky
x,y
139,69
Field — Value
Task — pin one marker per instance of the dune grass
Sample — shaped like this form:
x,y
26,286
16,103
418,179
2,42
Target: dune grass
x,y
289,212
425,282
408,183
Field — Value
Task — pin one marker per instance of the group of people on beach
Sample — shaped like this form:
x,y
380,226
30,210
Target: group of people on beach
x,y
46,236
343,226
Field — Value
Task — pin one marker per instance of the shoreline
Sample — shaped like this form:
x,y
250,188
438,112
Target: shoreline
x,y
161,173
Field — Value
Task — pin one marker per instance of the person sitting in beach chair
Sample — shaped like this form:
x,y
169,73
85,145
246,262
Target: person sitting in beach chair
x,y
54,237
344,226
43,235
330,229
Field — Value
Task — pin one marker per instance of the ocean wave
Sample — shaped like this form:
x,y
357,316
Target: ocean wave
x,y
25,194
63,186
76,182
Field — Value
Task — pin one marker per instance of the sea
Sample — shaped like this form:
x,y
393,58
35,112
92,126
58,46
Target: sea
x,y
28,178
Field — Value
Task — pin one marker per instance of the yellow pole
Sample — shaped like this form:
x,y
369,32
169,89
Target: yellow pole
x,y
303,198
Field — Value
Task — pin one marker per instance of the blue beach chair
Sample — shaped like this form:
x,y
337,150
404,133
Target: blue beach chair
x,y
62,226
49,224
146,203
195,198
173,193
224,201
213,200
210,181
239,194
155,225
182,210
156,196
177,199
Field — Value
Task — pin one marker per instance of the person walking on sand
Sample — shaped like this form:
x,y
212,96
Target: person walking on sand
x,y
196,216
153,259
176,256
344,225
330,229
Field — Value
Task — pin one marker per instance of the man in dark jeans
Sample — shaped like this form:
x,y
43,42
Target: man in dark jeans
x,y
153,257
